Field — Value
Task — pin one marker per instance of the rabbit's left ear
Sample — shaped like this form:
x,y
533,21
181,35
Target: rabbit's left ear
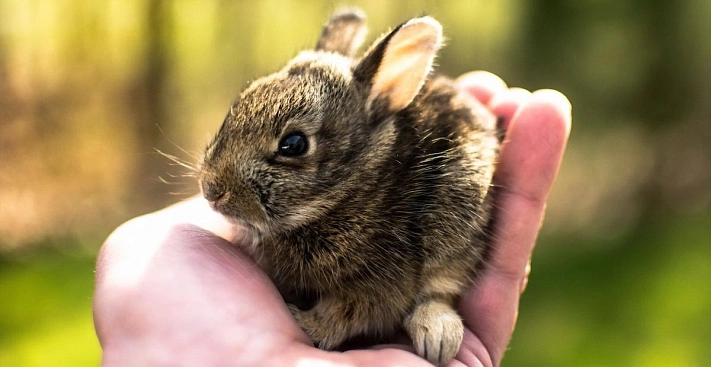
x,y
396,66
343,33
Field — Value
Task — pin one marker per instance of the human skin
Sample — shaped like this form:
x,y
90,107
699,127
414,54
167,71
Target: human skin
x,y
174,287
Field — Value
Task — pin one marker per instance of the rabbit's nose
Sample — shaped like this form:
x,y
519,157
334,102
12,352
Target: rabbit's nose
x,y
212,192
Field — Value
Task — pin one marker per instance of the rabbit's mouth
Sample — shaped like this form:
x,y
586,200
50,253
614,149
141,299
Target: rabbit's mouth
x,y
239,208
253,228
257,228
247,226
246,234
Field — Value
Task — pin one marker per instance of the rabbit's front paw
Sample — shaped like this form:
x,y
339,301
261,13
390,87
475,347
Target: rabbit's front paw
x,y
436,331
324,333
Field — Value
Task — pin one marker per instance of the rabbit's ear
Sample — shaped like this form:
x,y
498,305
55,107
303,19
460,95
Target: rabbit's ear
x,y
343,33
397,65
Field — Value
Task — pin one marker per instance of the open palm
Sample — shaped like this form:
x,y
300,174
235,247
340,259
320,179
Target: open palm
x,y
176,288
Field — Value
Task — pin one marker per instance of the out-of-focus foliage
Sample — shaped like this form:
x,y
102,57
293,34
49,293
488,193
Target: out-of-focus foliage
x,y
45,312
88,90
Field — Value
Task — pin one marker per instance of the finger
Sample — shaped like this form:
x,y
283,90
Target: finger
x,y
473,352
529,161
528,165
524,282
197,211
504,104
481,84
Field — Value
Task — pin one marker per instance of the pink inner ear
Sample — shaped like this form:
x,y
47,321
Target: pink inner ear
x,y
407,62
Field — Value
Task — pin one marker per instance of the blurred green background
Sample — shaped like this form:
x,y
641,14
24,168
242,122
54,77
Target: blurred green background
x,y
622,272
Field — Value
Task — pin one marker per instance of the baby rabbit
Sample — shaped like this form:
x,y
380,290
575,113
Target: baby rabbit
x,y
367,183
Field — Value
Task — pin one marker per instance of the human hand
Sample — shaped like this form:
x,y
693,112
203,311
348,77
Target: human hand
x,y
173,289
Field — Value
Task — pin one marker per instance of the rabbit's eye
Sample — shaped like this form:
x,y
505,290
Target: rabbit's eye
x,y
293,145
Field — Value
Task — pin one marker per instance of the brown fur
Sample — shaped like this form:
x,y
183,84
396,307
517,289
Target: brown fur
x,y
382,222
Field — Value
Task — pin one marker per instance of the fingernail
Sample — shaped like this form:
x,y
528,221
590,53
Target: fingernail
x,y
513,95
555,97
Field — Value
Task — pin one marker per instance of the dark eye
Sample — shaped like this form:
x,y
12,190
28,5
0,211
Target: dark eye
x,y
293,145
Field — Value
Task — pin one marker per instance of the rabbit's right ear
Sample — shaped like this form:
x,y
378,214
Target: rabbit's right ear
x,y
343,33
